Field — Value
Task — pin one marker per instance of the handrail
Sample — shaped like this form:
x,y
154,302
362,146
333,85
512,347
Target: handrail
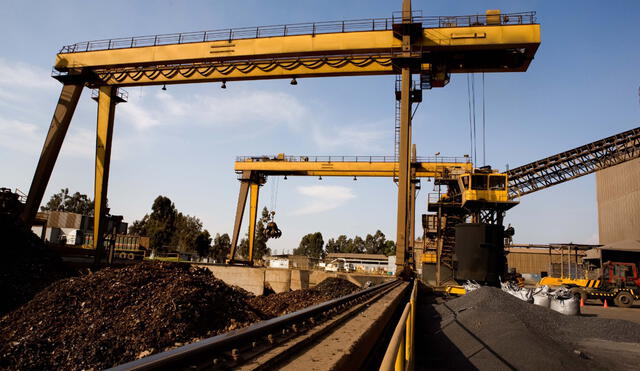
x,y
335,158
400,352
371,24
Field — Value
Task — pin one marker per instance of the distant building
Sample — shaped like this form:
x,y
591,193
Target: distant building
x,y
362,262
291,261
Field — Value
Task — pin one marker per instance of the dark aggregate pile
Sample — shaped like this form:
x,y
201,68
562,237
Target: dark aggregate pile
x,y
532,337
26,266
116,315
279,304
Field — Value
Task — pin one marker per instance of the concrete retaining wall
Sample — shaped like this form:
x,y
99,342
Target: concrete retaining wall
x,y
282,280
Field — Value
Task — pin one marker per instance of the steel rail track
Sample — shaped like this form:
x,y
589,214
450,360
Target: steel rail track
x,y
233,348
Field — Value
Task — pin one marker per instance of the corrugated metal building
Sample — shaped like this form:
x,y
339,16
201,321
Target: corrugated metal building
x,y
555,261
618,190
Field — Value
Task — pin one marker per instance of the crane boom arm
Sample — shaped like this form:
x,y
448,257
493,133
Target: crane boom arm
x,y
574,163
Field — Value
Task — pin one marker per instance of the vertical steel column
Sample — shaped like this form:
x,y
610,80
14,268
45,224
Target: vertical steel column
x,y
253,214
104,136
412,205
405,148
65,108
242,201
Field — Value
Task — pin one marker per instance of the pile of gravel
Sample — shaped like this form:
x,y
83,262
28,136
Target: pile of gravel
x,y
525,336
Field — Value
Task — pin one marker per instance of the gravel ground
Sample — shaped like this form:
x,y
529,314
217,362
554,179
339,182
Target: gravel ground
x,y
489,329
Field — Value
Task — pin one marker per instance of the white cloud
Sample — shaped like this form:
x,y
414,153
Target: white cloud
x,y
20,81
28,138
237,108
20,136
366,138
323,198
79,143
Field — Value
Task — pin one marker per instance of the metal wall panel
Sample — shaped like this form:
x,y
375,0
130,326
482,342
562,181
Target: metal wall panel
x,y
618,192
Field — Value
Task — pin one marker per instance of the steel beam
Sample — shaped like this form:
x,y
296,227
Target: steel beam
x,y
107,101
350,168
253,214
404,175
242,201
62,115
499,48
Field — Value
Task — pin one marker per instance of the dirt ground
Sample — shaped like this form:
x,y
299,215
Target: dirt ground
x,y
594,308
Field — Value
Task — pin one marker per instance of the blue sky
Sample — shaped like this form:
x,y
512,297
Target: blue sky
x,y
582,86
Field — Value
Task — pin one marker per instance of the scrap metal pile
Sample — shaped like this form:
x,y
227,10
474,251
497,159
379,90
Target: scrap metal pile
x,y
116,315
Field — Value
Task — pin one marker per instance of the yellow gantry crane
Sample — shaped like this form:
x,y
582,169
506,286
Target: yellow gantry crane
x,y
407,44
254,171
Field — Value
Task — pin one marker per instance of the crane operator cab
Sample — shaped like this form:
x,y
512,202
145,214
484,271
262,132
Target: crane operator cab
x,y
485,187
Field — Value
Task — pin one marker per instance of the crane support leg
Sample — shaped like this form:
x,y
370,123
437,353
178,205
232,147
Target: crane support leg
x,y
404,173
242,201
104,136
65,108
253,214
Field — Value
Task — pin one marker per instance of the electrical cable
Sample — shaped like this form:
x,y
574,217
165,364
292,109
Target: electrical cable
x,y
470,122
473,103
484,138
414,110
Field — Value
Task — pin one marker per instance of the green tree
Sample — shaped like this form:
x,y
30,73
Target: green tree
x,y
203,243
139,227
357,246
260,247
221,247
375,244
340,245
311,245
389,248
74,203
160,225
187,229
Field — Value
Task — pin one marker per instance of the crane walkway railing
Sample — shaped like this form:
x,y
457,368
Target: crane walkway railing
x,y
371,24
337,158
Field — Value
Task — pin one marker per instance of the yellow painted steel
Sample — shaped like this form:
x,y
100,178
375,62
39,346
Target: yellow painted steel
x,y
242,70
62,115
429,257
330,54
400,353
253,214
339,168
104,137
347,43
560,281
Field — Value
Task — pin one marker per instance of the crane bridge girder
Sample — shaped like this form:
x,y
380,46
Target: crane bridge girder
x,y
473,47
